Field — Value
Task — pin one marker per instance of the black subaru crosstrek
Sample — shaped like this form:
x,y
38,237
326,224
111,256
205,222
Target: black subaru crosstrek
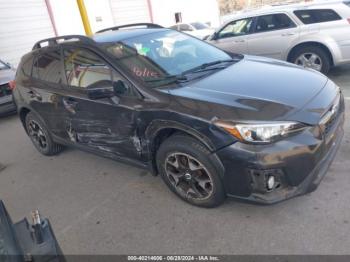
x,y
211,123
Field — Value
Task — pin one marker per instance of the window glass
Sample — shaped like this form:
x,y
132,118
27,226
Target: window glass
x,y
273,22
174,27
185,27
84,69
236,28
199,26
47,67
27,66
156,55
317,16
3,66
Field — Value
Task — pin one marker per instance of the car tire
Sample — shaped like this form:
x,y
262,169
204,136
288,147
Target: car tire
x,y
40,136
188,170
305,56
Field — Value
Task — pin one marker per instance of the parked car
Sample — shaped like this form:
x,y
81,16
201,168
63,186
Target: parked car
x,y
211,123
315,35
197,29
7,74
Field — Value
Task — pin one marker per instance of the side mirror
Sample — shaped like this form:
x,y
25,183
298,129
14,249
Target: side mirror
x,y
214,36
100,89
120,88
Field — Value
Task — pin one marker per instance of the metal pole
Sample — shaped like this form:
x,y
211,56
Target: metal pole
x,y
84,17
52,18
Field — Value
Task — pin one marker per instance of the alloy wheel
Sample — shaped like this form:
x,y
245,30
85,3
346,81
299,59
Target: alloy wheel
x,y
37,134
310,60
189,176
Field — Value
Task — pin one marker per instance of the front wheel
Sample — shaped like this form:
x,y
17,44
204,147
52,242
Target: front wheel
x,y
312,57
187,169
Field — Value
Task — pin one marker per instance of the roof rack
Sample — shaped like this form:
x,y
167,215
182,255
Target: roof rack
x,y
115,28
55,40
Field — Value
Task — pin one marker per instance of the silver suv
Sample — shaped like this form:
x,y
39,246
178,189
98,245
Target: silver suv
x,y
315,35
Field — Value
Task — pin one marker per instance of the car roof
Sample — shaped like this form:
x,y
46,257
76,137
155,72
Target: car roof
x,y
268,9
120,35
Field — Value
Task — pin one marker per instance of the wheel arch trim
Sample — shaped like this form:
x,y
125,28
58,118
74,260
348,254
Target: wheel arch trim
x,y
156,126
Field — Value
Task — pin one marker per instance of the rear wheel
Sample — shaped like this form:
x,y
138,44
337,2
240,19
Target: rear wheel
x,y
187,170
40,136
312,57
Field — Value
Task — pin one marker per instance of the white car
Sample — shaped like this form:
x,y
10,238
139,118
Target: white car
x,y
197,29
314,35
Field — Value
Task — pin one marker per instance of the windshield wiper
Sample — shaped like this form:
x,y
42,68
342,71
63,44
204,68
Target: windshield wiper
x,y
181,78
207,66
169,79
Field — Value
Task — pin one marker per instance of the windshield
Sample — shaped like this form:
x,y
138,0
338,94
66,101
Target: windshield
x,y
199,26
158,55
3,65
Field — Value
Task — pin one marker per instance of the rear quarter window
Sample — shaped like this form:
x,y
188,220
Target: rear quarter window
x,y
314,16
27,66
47,67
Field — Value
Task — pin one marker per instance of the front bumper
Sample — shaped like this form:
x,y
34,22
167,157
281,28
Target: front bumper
x,y
298,162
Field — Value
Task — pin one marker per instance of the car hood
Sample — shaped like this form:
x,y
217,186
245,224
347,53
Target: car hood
x,y
6,75
258,88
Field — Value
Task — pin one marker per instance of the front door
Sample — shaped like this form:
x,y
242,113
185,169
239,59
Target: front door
x,y
233,37
105,124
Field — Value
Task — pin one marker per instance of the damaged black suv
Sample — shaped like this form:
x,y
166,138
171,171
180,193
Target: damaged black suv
x,y
211,123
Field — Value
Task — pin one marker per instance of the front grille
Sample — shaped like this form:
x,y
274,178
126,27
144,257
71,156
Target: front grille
x,y
331,116
5,90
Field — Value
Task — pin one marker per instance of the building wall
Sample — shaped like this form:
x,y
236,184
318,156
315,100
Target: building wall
x,y
130,11
67,17
191,11
22,23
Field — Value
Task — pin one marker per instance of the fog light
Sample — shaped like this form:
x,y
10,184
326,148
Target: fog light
x,y
271,182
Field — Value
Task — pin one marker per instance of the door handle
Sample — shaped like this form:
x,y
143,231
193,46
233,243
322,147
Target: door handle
x,y
239,41
33,94
288,34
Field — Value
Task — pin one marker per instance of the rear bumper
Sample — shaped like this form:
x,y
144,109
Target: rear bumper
x,y
7,105
298,163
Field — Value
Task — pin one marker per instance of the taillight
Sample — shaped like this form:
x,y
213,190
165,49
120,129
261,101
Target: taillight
x,y
349,20
12,84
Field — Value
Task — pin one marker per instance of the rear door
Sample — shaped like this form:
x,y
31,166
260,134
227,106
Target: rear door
x,y
107,124
329,23
233,37
273,34
43,88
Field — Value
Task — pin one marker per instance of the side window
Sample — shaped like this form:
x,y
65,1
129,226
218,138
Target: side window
x,y
27,66
317,16
236,28
185,27
174,27
273,22
84,69
47,67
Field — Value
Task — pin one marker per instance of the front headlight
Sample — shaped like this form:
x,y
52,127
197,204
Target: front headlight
x,y
260,132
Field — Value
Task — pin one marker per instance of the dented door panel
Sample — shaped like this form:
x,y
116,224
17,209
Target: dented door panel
x,y
103,125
